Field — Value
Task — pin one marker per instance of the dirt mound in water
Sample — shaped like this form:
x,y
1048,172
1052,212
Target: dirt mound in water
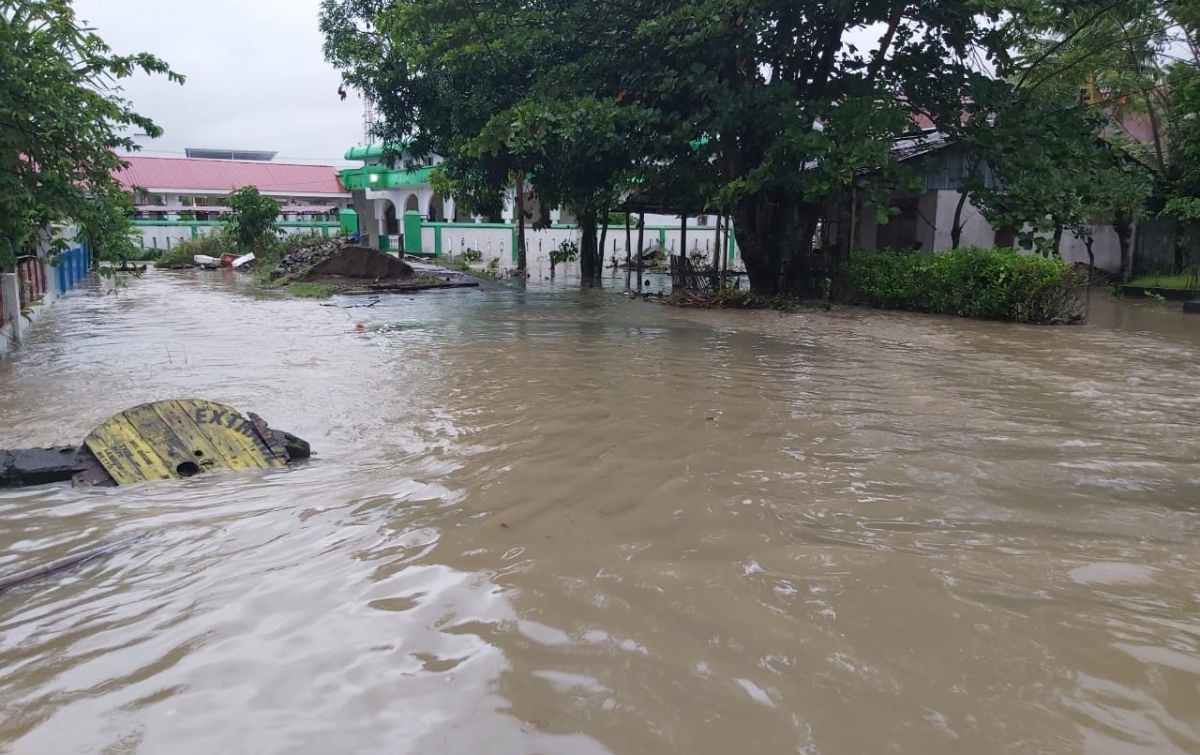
x,y
352,261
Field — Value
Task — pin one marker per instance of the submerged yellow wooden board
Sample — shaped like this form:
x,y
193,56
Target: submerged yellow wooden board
x,y
175,439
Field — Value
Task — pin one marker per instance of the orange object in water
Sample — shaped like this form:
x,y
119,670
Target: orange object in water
x,y
359,327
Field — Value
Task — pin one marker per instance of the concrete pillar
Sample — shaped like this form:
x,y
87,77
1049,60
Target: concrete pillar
x,y
12,302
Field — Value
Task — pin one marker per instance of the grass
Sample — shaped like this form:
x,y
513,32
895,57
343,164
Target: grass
x,y
307,290
1182,281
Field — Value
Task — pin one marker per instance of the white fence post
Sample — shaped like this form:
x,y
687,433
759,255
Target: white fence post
x,y
12,303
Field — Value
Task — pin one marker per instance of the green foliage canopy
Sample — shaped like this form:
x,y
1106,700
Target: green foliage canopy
x,y
253,218
62,120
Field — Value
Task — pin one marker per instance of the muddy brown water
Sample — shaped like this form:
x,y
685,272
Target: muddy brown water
x,y
568,523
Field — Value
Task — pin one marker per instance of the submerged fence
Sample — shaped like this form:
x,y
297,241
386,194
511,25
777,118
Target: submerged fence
x,y
31,274
71,267
1156,250
34,282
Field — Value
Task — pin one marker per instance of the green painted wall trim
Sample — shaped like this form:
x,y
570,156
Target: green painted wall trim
x,y
412,232
195,232
362,152
384,243
437,241
385,178
443,224
661,229
662,238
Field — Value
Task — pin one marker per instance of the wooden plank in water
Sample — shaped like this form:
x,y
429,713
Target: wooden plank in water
x,y
179,419
232,435
127,456
268,436
178,450
174,439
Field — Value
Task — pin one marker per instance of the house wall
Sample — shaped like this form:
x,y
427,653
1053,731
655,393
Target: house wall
x,y
935,221
166,234
497,241
976,231
1106,247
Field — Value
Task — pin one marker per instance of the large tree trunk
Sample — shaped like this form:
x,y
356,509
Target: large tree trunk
x,y
603,240
716,260
683,253
1058,234
589,257
522,260
1123,225
641,239
775,232
628,241
956,228
725,250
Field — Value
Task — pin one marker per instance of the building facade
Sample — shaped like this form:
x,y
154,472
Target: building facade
x,y
180,197
399,210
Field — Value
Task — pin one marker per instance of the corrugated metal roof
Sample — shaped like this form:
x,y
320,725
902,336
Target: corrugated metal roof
x,y
190,174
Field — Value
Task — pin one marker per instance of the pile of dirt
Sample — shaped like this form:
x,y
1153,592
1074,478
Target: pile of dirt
x,y
362,262
339,258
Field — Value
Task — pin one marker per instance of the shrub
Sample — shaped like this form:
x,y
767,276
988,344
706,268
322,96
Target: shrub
x,y
987,284
214,244
252,219
472,255
567,251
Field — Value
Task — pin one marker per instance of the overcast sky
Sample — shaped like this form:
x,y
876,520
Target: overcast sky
x,y
256,77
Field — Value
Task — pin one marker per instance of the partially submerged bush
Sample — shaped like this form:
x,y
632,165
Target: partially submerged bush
x,y
988,284
214,244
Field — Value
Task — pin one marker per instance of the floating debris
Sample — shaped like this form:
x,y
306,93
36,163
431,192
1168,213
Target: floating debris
x,y
164,440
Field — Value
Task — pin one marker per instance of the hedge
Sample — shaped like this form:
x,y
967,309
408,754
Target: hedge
x,y
987,284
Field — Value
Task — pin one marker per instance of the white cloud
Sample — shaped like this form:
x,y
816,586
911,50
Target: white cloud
x,y
256,76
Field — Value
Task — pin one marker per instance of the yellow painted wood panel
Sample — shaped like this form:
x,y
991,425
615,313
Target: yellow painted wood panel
x,y
232,435
175,449
125,454
160,441
180,420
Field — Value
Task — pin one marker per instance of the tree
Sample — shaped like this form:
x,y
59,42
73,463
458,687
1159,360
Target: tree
x,y
62,119
474,83
106,225
1136,63
757,77
252,219
763,108
1040,169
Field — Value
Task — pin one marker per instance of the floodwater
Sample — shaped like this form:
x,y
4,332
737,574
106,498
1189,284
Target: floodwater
x,y
563,522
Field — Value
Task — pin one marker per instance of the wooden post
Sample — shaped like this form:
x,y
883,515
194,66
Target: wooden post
x,y
725,252
628,241
519,209
641,236
718,282
683,236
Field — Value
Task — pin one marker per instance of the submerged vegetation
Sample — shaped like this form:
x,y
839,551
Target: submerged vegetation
x,y
309,290
1182,281
988,284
